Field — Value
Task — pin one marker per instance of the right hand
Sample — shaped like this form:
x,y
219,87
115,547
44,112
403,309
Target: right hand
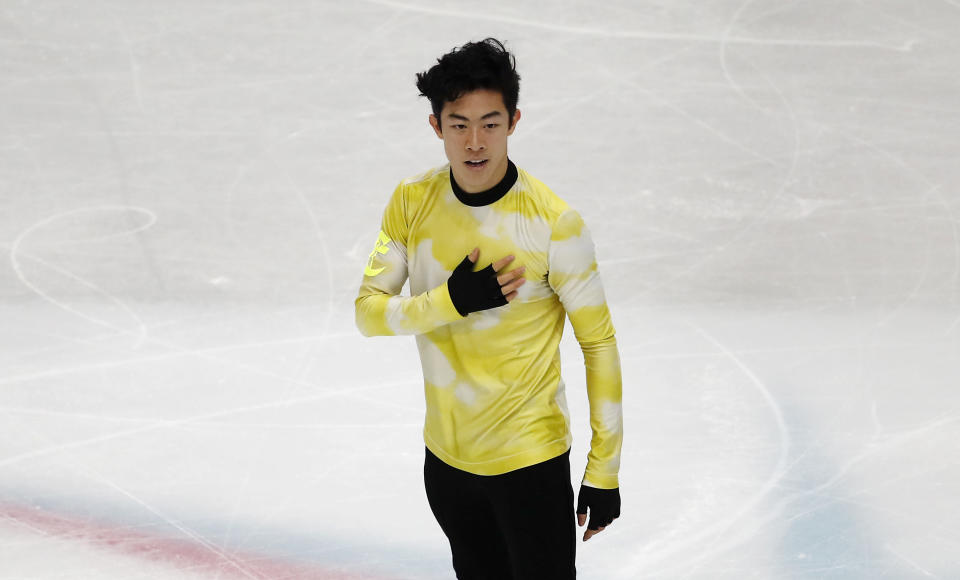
x,y
475,291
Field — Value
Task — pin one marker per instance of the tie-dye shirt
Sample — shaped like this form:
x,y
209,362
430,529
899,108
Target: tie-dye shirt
x,y
495,399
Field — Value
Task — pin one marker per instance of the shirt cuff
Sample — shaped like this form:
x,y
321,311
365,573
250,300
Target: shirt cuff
x,y
440,297
600,480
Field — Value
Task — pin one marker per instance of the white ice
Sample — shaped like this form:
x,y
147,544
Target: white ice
x,y
189,191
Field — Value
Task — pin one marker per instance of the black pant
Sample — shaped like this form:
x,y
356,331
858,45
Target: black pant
x,y
516,526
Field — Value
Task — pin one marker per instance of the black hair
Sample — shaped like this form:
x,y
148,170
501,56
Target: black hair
x,y
475,65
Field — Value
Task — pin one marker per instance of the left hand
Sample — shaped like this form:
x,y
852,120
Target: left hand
x,y
604,506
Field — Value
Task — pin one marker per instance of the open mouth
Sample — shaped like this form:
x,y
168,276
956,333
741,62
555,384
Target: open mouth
x,y
480,164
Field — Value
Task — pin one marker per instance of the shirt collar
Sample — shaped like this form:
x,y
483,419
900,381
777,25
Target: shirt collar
x,y
489,196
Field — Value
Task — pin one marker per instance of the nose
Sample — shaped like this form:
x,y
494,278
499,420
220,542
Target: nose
x,y
474,142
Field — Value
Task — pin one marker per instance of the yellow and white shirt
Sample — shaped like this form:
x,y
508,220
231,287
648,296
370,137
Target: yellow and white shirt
x,y
494,395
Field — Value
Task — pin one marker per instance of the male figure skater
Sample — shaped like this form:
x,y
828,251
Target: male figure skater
x,y
497,431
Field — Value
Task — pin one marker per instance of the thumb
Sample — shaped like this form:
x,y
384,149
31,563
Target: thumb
x,y
474,255
581,519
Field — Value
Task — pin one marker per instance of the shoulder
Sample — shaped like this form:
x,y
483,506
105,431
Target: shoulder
x,y
541,200
427,180
413,190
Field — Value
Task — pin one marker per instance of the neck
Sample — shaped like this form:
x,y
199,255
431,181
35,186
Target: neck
x,y
486,197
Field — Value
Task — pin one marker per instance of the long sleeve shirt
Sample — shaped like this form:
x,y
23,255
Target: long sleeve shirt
x,y
495,399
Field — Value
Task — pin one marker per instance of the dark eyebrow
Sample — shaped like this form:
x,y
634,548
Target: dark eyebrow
x,y
487,116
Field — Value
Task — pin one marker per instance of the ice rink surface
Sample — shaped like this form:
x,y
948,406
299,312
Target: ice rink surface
x,y
189,191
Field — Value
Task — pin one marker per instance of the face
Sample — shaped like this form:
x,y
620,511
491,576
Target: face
x,y
474,130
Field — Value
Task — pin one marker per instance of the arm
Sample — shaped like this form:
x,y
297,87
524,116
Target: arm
x,y
380,311
574,277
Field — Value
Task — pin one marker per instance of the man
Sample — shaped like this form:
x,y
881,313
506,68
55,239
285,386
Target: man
x,y
497,431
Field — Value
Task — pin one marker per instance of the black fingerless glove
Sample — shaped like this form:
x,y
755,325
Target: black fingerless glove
x,y
474,291
604,505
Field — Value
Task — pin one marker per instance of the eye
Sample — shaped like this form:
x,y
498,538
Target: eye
x,y
492,125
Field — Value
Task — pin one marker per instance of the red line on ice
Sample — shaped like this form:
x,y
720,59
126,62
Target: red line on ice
x,y
179,554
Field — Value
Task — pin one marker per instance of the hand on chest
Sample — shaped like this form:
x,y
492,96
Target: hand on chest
x,y
441,241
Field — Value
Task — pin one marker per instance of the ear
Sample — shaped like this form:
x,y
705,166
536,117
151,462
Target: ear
x,y
515,120
435,123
